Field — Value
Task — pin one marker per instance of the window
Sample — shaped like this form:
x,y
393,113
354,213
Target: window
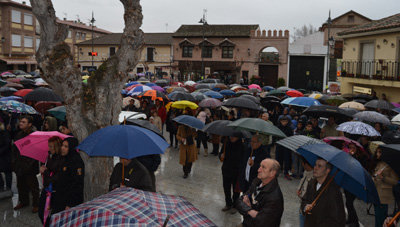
x,y
112,51
187,51
37,43
206,52
28,41
227,52
77,35
150,54
28,19
69,34
83,36
350,19
15,16
16,40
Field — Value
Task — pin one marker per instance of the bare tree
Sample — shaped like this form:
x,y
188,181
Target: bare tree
x,y
303,31
97,104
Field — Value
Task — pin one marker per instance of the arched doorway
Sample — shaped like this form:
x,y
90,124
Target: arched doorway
x,y
268,66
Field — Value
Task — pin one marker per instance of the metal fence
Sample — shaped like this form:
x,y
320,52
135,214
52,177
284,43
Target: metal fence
x,y
374,69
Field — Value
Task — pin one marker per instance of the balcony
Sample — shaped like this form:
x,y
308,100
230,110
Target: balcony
x,y
372,70
269,58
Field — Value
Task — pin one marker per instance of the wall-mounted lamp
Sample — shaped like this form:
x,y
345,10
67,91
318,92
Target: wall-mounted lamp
x,y
385,41
392,45
248,51
378,46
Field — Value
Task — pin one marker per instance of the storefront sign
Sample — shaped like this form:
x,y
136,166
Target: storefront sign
x,y
363,90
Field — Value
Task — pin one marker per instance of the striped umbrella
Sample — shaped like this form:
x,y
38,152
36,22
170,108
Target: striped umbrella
x,y
138,90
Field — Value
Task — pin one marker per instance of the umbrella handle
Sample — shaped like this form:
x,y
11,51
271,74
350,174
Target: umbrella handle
x,y
393,219
166,221
308,211
122,182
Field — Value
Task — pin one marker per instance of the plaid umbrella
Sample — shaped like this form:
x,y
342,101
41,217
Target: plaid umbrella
x,y
132,207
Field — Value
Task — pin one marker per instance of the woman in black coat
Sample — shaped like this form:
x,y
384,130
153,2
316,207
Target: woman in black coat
x,y
71,177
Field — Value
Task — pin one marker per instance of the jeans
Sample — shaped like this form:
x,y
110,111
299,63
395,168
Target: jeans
x,y
301,219
381,213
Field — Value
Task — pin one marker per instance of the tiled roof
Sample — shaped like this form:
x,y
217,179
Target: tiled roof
x,y
115,39
82,26
222,30
16,4
382,24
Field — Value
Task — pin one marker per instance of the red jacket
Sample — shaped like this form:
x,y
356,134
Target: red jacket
x,y
162,113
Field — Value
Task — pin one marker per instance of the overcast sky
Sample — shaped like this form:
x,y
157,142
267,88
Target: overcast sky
x,y
269,14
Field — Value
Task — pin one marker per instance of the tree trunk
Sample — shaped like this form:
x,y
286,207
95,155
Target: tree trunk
x,y
97,104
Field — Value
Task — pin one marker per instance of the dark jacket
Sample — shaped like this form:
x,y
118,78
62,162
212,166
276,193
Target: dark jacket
x,y
233,155
135,176
259,154
151,162
329,211
51,174
23,165
268,202
5,151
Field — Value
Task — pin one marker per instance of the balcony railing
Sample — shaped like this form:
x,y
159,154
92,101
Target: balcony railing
x,y
374,69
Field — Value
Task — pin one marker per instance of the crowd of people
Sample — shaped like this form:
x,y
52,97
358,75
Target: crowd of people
x,y
250,166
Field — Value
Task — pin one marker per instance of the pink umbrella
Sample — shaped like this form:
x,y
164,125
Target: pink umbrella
x,y
36,144
396,104
346,142
47,207
255,86
158,88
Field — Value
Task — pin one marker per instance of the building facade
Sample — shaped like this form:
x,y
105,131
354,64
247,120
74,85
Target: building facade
x,y
371,56
230,52
156,54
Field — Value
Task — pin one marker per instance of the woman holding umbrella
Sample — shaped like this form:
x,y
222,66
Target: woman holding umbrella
x,y
187,148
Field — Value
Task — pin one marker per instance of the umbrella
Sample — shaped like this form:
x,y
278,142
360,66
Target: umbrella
x,y
43,106
220,127
354,105
335,100
154,95
14,85
17,107
202,86
242,92
178,84
14,98
257,125
7,91
214,94
255,86
372,116
40,82
252,98
346,142
58,112
241,103
362,101
172,89
133,86
268,88
294,93
203,90
125,141
379,104
238,88
27,82
358,128
162,83
189,121
139,89
277,93
144,124
284,89
316,95
227,92
7,74
396,119
301,101
391,137
363,96
158,88
270,97
210,103
132,207
184,104
150,84
391,155
350,111
189,88
23,92
36,145
327,111
219,87
347,171
198,96
43,94
131,83
179,95
190,83
2,82
126,115
294,142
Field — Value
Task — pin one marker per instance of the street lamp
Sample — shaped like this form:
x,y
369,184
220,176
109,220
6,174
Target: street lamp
x,y
328,44
92,24
204,22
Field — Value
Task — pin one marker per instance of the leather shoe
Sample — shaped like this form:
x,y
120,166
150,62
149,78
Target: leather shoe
x,y
19,206
35,209
226,208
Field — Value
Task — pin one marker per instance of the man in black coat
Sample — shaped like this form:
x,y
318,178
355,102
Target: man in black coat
x,y
329,210
135,176
262,204
231,155
26,169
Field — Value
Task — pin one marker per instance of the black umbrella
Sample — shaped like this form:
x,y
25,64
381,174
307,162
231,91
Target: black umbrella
x,y
28,83
270,105
241,103
199,96
363,96
203,90
391,137
271,97
220,127
201,86
379,104
242,92
294,142
252,98
43,94
327,111
391,155
350,111
162,83
362,101
7,91
373,117
179,95
144,124
284,89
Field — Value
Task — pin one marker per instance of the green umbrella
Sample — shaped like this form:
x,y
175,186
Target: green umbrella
x,y
334,100
58,112
2,82
257,125
276,93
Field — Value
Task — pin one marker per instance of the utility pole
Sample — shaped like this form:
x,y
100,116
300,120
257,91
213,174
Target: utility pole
x,y
92,23
329,22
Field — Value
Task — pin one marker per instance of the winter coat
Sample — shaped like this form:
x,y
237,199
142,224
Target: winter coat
x,y
187,153
162,113
171,125
5,151
51,174
268,203
233,154
135,176
259,154
23,165
329,211
385,185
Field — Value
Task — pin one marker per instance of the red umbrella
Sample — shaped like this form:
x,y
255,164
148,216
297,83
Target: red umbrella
x,y
43,106
23,92
133,86
294,93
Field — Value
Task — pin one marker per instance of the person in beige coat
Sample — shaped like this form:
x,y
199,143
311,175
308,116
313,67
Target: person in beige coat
x,y
187,148
384,178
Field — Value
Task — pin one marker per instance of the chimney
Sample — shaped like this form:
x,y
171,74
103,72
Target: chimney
x,y
65,18
23,2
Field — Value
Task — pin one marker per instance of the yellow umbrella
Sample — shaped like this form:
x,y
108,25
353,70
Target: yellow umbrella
x,y
315,96
354,105
85,77
184,104
168,106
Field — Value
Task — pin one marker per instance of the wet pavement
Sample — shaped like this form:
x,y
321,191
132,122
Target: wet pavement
x,y
203,188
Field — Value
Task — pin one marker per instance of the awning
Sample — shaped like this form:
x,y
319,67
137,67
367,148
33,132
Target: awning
x,y
18,61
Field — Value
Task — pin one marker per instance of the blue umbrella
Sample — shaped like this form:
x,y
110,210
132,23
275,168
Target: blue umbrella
x,y
287,100
227,92
17,107
348,172
124,92
14,98
358,128
151,84
214,94
131,83
268,88
190,121
303,102
125,141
